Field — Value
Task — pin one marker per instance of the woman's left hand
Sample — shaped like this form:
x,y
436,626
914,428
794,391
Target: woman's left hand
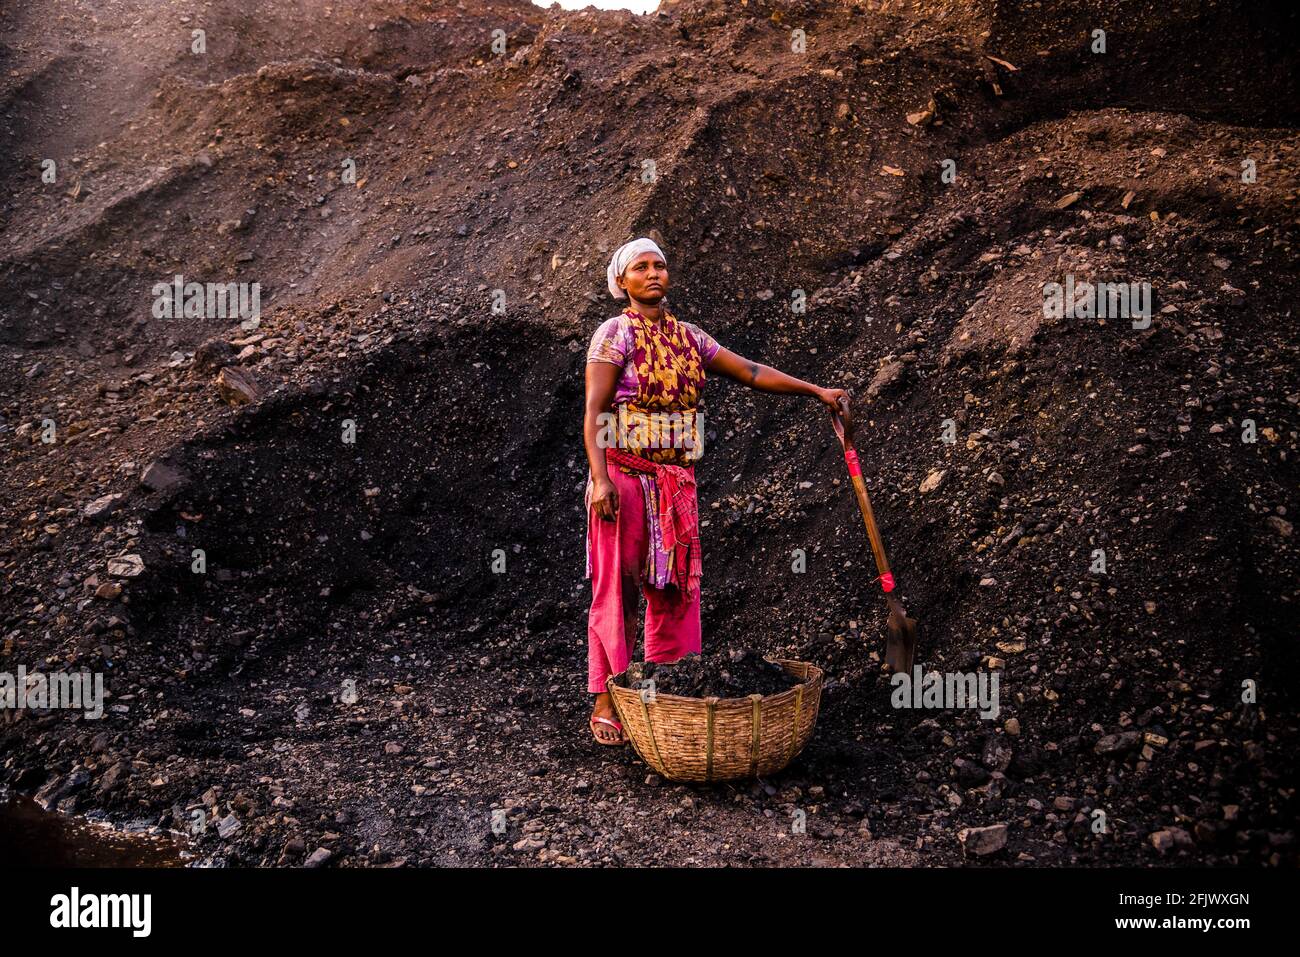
x,y
834,398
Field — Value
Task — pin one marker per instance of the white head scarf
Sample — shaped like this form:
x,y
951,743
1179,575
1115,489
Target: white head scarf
x,y
624,255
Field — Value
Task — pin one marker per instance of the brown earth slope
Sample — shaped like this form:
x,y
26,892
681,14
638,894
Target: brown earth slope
x,y
778,177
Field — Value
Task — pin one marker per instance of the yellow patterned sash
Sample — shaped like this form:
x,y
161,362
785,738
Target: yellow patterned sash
x,y
662,423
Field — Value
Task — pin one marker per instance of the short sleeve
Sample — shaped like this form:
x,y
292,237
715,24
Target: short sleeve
x,y
609,343
707,344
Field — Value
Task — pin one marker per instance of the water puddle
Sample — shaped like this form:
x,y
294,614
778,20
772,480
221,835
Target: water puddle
x,y
31,836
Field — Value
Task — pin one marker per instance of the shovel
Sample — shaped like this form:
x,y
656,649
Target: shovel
x,y
900,643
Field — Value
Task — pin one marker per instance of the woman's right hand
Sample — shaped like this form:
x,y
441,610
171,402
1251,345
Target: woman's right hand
x,y
604,498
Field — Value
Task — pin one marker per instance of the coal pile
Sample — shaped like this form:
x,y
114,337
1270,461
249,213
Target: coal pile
x,y
736,674
1099,509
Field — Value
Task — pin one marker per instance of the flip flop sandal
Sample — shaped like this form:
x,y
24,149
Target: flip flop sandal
x,y
613,724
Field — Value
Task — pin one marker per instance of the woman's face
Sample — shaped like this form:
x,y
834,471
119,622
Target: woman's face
x,y
646,278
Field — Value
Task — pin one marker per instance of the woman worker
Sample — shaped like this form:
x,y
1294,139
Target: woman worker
x,y
645,374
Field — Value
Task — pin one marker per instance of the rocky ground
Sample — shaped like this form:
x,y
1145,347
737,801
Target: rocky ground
x,y
349,682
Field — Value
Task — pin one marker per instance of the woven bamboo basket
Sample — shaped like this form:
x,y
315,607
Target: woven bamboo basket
x,y
721,739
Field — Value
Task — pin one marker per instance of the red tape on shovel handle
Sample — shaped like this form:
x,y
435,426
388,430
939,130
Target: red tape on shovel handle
x,y
851,457
887,581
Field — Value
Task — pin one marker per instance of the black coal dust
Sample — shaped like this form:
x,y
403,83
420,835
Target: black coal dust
x,y
734,674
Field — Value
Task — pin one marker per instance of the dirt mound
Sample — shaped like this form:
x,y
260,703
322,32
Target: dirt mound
x,y
358,621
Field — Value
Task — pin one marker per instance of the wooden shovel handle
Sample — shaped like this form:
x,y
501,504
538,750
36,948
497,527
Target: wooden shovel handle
x,y
864,502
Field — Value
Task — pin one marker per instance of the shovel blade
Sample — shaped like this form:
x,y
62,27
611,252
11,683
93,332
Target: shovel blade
x,y
900,642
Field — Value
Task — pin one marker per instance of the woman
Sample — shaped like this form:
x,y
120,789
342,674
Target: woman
x,y
641,430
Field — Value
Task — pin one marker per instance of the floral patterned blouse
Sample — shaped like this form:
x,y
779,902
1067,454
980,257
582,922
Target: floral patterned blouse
x,y
658,391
